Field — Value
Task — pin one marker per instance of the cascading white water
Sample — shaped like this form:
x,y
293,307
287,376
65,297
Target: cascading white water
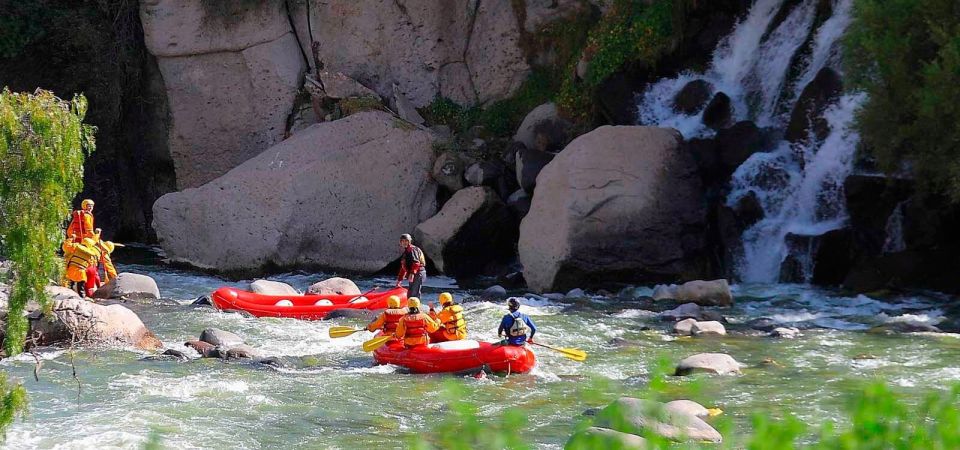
x,y
799,186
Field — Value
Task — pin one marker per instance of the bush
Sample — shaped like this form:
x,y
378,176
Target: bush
x,y
905,54
43,143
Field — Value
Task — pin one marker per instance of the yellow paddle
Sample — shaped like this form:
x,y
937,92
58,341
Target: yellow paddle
x,y
572,353
339,332
376,343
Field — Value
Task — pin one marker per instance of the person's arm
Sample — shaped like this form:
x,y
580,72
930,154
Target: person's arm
x,y
503,326
533,328
401,329
377,323
108,267
432,325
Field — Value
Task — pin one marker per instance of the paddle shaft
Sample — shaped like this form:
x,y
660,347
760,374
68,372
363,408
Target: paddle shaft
x,y
574,354
363,294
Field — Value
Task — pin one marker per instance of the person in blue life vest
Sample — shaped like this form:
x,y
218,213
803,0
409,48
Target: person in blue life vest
x,y
515,326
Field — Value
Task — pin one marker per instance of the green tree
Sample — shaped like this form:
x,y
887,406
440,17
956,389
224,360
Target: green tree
x,y
905,54
43,142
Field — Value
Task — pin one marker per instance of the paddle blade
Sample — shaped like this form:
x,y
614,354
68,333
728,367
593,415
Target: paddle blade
x,y
714,411
573,353
339,332
376,343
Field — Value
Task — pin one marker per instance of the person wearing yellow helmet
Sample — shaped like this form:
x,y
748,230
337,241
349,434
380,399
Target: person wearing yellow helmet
x,y
79,258
81,222
415,327
452,325
387,321
106,248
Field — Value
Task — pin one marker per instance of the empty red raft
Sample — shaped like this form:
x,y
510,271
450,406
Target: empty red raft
x,y
306,307
457,356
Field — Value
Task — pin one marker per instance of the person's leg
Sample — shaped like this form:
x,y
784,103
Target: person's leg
x,y
416,286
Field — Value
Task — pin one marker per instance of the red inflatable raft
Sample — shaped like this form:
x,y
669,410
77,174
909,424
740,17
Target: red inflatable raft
x,y
457,356
307,307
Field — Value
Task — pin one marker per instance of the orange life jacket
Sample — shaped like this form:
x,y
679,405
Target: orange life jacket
x,y
78,260
415,332
81,225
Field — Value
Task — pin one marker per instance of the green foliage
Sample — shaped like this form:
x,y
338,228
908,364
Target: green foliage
x,y
876,418
13,402
905,54
353,105
631,32
43,143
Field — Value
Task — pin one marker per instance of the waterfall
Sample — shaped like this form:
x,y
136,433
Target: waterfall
x,y
799,186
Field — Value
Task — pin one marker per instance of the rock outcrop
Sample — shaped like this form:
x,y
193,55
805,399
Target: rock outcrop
x,y
129,286
474,228
620,202
714,363
464,50
334,195
75,321
231,73
543,129
639,416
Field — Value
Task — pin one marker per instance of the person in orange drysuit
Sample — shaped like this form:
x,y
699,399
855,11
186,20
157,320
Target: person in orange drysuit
x,y
81,265
81,222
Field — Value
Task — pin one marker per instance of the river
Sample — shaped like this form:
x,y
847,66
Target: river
x,y
332,396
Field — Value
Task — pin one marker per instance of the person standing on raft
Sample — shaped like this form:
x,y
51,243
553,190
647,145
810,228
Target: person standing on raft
x,y
81,222
388,320
452,325
515,325
415,327
413,267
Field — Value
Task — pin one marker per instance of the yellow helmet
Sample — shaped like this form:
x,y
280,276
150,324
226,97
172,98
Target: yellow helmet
x,y
86,202
413,302
393,302
446,298
108,246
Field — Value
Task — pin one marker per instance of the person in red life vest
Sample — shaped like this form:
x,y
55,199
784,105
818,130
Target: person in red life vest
x,y
413,267
81,222
388,320
415,327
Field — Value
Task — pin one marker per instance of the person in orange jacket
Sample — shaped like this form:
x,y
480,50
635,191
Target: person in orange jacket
x,y
80,258
106,248
415,327
81,222
452,325
389,319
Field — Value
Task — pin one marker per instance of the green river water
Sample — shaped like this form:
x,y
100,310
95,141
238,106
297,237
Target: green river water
x,y
332,396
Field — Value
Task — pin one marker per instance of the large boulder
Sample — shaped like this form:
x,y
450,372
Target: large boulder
x,y
543,129
268,287
131,286
708,328
463,50
618,203
705,293
719,112
714,363
231,74
76,321
334,286
737,143
311,200
474,228
639,416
